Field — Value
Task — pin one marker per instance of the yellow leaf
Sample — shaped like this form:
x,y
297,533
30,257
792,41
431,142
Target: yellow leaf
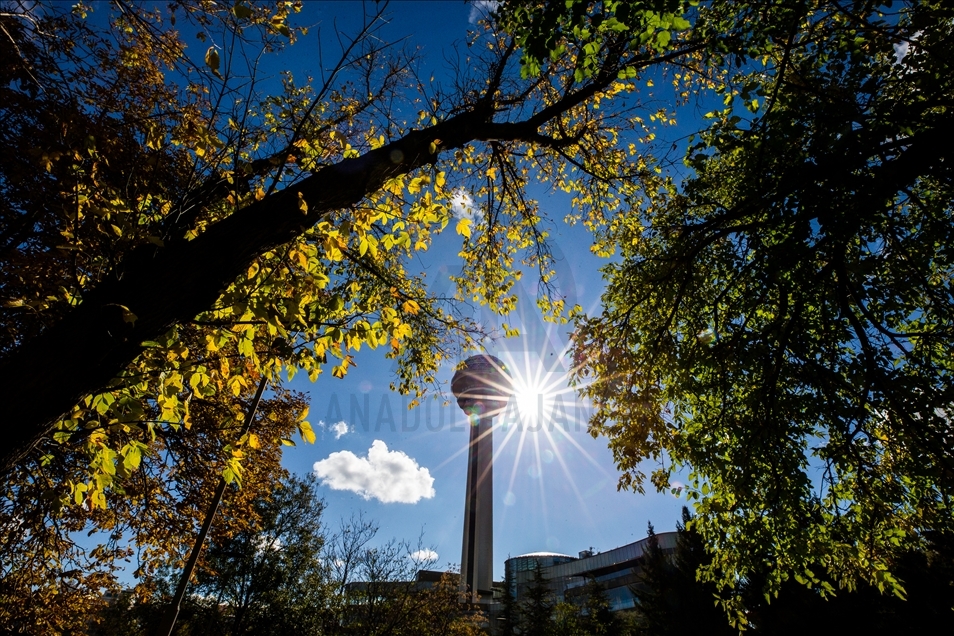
x,y
411,306
253,441
463,227
236,383
492,172
128,316
301,204
306,431
212,60
417,182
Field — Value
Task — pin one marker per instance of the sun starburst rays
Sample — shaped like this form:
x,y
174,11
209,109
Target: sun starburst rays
x,y
543,411
535,431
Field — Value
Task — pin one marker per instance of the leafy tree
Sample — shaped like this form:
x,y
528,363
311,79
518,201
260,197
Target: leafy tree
x,y
536,608
590,615
269,578
779,322
59,556
543,30
672,599
377,592
927,576
566,620
509,619
696,604
159,197
654,592
287,574
597,618
440,609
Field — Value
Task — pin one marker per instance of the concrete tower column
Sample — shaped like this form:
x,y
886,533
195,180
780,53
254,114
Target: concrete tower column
x,y
482,388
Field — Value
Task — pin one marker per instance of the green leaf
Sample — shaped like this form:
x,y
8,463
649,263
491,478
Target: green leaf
x,y
132,458
79,493
241,11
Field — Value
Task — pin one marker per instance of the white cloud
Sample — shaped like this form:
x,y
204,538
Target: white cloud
x,y
388,476
265,542
480,9
463,205
424,555
902,48
339,429
901,51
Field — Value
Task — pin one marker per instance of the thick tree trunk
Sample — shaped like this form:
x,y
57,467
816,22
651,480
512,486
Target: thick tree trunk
x,y
92,344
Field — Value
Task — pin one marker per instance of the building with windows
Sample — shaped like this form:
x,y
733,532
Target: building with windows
x,y
617,570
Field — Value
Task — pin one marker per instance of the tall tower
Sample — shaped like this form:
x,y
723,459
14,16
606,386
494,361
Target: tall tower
x,y
482,388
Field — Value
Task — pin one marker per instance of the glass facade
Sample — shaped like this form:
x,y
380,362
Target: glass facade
x,y
617,570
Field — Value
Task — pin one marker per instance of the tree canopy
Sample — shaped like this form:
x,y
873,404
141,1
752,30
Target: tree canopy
x,y
777,316
779,321
288,572
61,553
174,229
673,599
160,197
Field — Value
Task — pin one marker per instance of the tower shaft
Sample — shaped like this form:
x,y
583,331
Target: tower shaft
x,y
482,388
477,552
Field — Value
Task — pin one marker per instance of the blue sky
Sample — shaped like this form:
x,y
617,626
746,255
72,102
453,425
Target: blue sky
x,y
554,485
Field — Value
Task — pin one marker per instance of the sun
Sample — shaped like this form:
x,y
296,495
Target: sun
x,y
531,399
534,389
